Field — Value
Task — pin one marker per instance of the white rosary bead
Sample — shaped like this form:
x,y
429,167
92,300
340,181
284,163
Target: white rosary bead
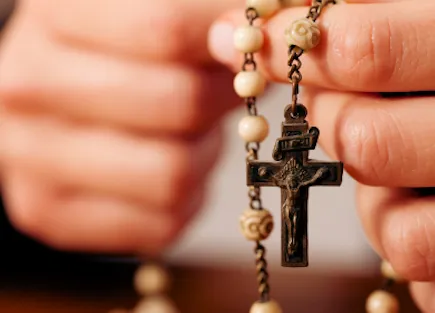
x,y
264,8
256,225
249,84
151,280
382,302
155,305
248,39
303,33
388,272
254,129
266,307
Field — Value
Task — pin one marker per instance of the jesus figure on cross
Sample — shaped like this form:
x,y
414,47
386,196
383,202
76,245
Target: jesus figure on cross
x,y
292,177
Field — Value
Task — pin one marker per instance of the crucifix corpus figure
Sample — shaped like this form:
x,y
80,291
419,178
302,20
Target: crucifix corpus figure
x,y
294,173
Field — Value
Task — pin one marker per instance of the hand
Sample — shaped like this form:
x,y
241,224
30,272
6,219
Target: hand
x,y
386,144
110,125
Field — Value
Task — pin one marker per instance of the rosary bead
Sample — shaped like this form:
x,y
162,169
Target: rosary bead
x,y
303,33
253,128
382,302
151,280
256,225
388,272
249,84
266,307
155,305
264,8
248,39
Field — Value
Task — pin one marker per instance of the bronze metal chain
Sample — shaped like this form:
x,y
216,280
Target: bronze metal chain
x,y
254,193
262,274
294,54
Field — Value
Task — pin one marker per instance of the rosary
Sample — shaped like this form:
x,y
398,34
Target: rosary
x,y
292,171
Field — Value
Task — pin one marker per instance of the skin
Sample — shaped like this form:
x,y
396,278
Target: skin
x,y
386,144
111,124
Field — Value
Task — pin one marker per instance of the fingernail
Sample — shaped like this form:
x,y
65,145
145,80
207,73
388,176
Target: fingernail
x,y
220,42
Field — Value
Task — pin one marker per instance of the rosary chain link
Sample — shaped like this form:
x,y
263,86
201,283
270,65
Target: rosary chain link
x,y
317,7
262,273
294,54
254,193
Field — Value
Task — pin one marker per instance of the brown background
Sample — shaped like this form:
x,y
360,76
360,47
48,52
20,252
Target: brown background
x,y
85,287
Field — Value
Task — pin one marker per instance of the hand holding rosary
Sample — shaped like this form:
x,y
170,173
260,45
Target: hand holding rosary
x,y
293,171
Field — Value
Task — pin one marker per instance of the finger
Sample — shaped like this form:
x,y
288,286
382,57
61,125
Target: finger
x,y
151,29
95,88
423,294
91,223
161,172
362,47
400,225
381,141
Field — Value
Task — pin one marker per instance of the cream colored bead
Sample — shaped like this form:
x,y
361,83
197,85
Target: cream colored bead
x,y
248,39
303,33
256,225
151,280
155,305
264,8
253,128
266,307
388,272
382,302
249,84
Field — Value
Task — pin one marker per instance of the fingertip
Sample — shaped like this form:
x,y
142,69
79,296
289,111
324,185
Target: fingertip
x,y
220,41
423,295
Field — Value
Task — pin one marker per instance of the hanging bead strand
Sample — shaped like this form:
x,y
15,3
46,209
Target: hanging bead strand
x,y
383,300
256,223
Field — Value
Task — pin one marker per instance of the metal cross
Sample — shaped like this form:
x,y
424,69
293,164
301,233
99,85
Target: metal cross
x,y
294,173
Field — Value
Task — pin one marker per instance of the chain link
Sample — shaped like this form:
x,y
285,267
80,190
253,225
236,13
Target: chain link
x,y
317,7
294,54
254,193
262,273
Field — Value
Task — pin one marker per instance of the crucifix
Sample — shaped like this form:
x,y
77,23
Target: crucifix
x,y
293,172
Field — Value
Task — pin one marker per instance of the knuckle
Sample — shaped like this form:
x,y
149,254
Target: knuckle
x,y
367,147
179,177
170,233
364,53
161,34
410,246
28,219
170,26
193,117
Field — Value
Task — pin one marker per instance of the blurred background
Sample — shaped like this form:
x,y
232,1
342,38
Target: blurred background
x,y
212,264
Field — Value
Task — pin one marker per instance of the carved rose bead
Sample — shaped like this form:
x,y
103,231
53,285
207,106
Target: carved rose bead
x,y
256,225
303,33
